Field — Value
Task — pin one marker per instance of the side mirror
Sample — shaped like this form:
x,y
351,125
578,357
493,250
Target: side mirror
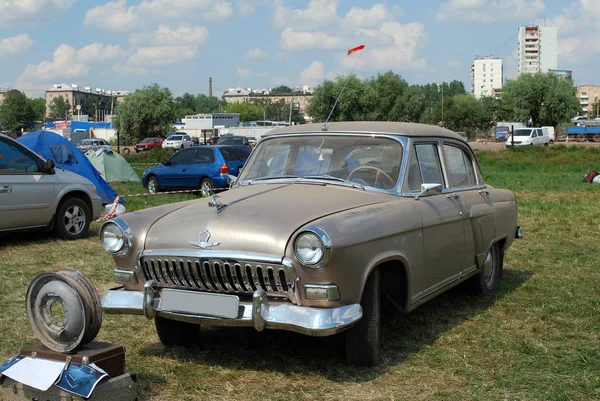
x,y
231,180
49,166
429,190
166,162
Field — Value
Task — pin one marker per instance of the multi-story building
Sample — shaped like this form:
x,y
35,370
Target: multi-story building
x,y
3,93
300,96
486,76
588,98
537,49
96,103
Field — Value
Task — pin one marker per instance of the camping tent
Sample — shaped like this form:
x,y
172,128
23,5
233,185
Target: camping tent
x,y
112,166
66,155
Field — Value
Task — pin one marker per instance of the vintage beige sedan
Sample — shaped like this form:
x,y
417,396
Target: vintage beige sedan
x,y
322,224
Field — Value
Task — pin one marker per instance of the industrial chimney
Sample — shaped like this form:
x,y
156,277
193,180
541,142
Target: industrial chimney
x,y
210,87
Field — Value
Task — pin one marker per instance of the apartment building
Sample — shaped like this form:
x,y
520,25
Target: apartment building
x,y
537,49
486,76
588,98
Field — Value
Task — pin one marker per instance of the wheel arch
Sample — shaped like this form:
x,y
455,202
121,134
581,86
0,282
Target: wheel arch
x,y
394,279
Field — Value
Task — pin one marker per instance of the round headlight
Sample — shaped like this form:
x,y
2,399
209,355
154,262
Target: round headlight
x,y
113,238
309,248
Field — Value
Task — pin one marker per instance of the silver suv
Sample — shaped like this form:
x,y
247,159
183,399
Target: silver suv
x,y
33,194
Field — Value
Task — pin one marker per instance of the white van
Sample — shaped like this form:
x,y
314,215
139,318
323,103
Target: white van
x,y
529,136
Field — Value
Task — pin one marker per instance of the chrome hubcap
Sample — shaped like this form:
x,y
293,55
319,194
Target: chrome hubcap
x,y
74,220
206,186
488,269
152,186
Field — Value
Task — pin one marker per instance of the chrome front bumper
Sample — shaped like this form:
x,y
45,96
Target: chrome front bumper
x,y
258,313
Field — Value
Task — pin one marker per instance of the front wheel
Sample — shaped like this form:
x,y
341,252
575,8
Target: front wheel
x,y
72,219
173,333
486,280
153,186
363,339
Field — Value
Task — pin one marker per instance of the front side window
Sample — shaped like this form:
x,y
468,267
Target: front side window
x,y
366,160
424,167
459,167
183,157
15,161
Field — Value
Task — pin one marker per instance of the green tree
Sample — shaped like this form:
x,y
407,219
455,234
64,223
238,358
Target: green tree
x,y
60,108
545,98
144,113
15,111
461,113
282,89
181,113
246,110
186,101
386,96
38,107
351,105
208,104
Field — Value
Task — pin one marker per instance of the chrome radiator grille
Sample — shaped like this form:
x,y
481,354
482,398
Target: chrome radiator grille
x,y
219,275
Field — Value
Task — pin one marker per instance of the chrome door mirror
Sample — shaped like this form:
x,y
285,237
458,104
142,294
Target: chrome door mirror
x,y
429,190
231,180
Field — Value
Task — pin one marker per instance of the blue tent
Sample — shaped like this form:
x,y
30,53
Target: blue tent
x,y
66,155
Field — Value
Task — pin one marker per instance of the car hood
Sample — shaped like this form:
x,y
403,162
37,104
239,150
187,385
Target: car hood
x,y
257,218
68,177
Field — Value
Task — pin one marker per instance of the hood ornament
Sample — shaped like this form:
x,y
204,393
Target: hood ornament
x,y
203,238
215,202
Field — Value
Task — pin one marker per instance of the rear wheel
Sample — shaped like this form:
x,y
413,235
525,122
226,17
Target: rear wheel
x,y
72,219
486,280
596,138
173,333
581,138
363,339
206,185
153,186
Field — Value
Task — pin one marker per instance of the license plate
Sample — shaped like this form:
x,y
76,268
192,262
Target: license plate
x,y
199,303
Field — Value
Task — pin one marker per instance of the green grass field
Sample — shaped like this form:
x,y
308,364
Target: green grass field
x,y
536,338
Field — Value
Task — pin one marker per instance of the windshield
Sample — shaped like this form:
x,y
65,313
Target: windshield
x,y
362,160
148,140
522,132
174,138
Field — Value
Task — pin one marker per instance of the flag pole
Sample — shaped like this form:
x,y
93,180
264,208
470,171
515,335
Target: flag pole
x,y
324,128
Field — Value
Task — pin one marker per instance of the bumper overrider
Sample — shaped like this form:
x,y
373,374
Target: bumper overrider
x,y
259,313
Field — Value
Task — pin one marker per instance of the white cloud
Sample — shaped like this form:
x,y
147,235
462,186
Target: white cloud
x,y
256,54
390,44
127,70
18,12
293,40
490,10
242,72
248,7
313,74
454,64
165,36
15,44
162,55
118,16
68,62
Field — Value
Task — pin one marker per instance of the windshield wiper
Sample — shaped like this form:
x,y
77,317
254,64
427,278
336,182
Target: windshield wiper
x,y
272,177
332,178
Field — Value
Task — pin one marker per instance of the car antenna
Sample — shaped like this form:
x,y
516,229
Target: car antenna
x,y
354,50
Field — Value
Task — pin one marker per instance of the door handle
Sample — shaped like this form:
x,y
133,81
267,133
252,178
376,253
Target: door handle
x,y
6,189
453,196
484,193
183,170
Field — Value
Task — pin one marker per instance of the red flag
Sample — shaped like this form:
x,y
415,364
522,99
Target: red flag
x,y
357,48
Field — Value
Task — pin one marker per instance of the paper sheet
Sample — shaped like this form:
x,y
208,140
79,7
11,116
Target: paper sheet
x,y
35,372
80,379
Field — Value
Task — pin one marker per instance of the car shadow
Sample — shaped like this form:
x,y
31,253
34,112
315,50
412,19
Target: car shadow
x,y
17,238
287,352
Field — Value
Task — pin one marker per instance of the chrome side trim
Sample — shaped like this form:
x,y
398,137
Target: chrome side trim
x,y
259,313
214,254
471,269
435,287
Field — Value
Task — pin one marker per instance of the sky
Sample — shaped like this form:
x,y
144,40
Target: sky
x,y
126,44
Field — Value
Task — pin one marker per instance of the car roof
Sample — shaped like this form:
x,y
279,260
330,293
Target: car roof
x,y
372,127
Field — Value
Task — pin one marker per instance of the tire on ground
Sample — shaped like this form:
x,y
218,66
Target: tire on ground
x,y
364,338
73,218
153,183
207,185
173,333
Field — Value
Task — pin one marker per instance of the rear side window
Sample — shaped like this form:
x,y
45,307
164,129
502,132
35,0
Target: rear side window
x,y
459,166
183,157
204,156
235,154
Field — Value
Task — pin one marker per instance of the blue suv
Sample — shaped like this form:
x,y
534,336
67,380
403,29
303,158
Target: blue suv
x,y
197,167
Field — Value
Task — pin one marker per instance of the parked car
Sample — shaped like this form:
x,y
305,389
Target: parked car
x,y
528,136
178,141
233,140
318,227
34,194
203,167
149,143
94,144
